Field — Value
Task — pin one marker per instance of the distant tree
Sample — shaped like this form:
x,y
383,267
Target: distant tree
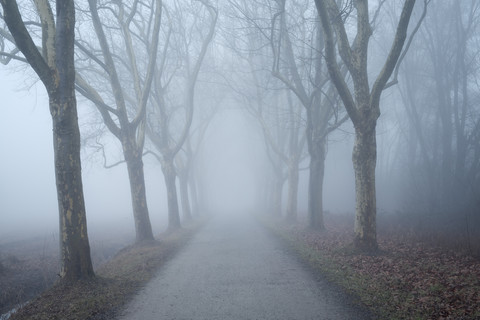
x,y
274,108
186,158
363,103
54,65
191,29
440,96
300,66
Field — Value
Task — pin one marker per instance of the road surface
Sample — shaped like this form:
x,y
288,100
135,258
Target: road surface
x,y
232,269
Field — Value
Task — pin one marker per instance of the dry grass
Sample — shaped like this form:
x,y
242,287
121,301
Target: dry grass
x,y
117,280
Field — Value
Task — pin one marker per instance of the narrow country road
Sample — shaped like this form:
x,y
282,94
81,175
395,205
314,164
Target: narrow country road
x,y
232,269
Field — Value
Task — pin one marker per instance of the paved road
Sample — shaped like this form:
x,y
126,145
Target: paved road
x,y
232,269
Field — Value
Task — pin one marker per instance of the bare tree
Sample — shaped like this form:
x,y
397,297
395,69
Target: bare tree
x,y
301,68
440,96
363,104
54,65
184,73
128,35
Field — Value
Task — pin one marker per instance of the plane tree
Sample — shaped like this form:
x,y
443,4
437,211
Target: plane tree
x,y
115,71
53,61
362,102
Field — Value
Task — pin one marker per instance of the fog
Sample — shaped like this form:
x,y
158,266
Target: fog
x,y
232,160
28,206
427,161
196,116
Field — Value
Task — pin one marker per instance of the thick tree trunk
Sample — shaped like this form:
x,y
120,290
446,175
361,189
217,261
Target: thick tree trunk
x,y
187,213
74,246
292,201
172,200
75,259
315,185
143,227
364,162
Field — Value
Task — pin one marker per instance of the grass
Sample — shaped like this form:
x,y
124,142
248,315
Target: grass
x,y
116,282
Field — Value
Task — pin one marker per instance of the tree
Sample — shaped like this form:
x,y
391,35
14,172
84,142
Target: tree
x,y
126,60
440,97
55,68
363,104
301,68
166,101
268,100
186,160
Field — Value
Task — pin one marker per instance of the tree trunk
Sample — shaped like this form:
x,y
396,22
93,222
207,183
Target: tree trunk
x,y
187,213
315,185
74,246
364,162
292,201
143,227
172,200
75,257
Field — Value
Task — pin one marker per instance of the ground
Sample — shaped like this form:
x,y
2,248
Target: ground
x,y
118,278
234,269
412,276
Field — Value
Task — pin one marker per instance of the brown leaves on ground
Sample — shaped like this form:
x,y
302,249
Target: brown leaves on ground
x,y
407,279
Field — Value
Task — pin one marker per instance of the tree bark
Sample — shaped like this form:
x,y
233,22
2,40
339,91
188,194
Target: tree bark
x,y
364,161
133,158
74,246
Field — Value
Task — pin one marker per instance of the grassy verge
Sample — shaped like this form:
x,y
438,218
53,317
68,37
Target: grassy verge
x,y
116,282
403,281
